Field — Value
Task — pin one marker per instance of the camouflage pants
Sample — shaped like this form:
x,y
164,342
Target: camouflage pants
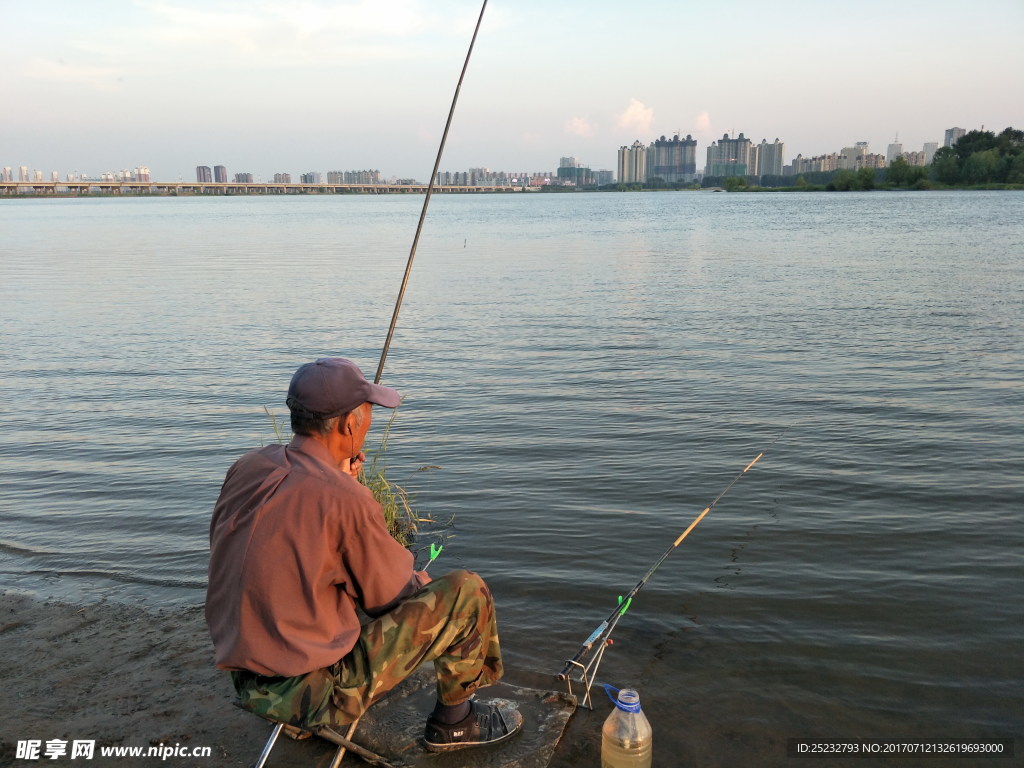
x,y
450,621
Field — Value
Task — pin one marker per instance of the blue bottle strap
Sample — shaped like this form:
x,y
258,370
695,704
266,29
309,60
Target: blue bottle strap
x,y
615,699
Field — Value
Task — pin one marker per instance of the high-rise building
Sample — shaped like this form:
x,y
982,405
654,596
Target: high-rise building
x,y
953,136
814,164
282,178
571,173
930,148
729,157
203,174
310,178
23,173
672,160
633,163
479,176
894,150
6,174
220,174
769,158
373,177
243,178
829,162
852,158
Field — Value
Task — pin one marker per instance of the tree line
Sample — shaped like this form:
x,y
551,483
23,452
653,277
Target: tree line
x,y
981,157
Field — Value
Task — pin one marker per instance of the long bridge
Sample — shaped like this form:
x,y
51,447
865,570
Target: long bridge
x,y
76,188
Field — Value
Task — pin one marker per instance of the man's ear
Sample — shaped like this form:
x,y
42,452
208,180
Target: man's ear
x,y
347,423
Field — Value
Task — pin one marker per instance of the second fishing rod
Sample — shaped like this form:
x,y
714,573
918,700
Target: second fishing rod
x,y
600,638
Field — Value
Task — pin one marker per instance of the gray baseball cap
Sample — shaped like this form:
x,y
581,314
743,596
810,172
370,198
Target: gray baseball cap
x,y
332,386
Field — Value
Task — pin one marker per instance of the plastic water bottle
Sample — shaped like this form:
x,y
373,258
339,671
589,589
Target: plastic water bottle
x,y
626,736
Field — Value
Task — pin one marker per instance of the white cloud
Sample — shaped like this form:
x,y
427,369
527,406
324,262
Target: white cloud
x,y
636,118
98,77
288,20
579,126
283,34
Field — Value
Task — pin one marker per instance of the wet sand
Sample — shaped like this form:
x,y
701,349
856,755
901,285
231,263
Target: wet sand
x,y
119,675
131,676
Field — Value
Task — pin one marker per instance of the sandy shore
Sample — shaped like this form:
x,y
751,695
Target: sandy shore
x,y
118,675
130,676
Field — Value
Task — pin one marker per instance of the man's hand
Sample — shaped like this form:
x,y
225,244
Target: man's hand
x,y
355,464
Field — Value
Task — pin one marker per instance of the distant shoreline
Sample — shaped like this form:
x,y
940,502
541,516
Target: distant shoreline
x,y
824,188
48,189
115,190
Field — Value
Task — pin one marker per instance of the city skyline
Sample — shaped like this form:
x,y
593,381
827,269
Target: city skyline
x,y
672,159
309,84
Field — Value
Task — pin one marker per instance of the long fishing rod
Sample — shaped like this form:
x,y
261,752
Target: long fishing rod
x,y
426,201
434,551
601,636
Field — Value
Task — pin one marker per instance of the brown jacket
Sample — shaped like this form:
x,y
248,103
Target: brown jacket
x,y
295,546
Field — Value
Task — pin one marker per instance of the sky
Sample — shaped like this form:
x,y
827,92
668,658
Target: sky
x,y
268,86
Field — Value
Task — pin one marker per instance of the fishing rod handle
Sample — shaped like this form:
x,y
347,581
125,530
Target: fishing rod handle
x,y
583,650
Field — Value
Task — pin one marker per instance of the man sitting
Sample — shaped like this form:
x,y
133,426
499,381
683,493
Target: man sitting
x,y
297,544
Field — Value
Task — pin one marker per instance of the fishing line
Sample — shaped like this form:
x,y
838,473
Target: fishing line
x,y
426,201
601,636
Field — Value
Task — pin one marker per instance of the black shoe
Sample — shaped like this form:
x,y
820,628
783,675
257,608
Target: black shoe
x,y
488,722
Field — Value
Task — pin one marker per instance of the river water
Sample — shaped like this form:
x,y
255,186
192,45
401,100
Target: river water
x,y
588,371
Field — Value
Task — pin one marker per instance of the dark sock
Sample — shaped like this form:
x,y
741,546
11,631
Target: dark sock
x,y
449,715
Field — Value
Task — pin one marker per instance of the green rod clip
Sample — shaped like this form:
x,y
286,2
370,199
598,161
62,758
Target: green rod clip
x,y
624,607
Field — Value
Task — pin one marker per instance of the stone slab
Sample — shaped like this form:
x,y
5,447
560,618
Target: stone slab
x,y
393,728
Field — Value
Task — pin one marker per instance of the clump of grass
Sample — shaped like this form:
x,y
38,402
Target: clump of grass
x,y
280,434
402,520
